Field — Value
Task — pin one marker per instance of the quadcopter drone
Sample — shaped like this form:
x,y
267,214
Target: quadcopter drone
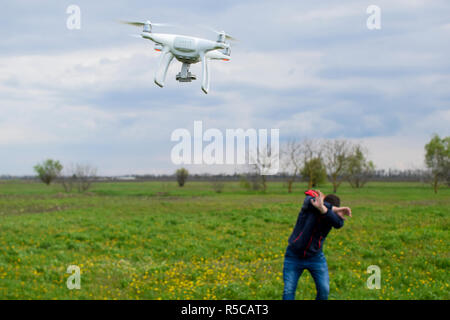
x,y
187,50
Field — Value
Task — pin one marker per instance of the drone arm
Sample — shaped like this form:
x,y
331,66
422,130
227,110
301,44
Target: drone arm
x,y
205,73
217,55
206,46
164,62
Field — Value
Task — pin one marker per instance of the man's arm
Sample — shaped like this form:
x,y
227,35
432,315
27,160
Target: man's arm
x,y
342,212
327,211
334,219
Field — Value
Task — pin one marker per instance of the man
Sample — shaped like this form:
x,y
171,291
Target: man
x,y
315,220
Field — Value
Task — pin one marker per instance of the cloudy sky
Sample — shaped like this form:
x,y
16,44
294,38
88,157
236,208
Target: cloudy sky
x,y
308,68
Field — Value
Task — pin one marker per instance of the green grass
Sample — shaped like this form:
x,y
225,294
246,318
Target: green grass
x,y
154,240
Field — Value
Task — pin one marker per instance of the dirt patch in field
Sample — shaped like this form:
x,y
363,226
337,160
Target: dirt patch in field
x,y
58,195
362,202
427,203
37,210
165,197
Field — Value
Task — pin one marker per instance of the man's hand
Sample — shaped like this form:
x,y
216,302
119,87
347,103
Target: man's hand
x,y
343,212
317,202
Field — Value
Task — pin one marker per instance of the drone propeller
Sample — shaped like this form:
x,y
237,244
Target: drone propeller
x,y
222,34
146,23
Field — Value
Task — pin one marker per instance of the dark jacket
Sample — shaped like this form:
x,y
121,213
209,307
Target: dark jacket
x,y
312,228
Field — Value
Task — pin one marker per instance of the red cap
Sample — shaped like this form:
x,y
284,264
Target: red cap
x,y
311,193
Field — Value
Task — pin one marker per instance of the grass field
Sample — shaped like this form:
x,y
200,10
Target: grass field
x,y
154,240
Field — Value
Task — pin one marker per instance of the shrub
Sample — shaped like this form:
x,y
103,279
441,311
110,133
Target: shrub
x,y
182,175
48,171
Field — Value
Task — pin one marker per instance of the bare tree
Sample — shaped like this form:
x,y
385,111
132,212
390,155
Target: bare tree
x,y
68,178
336,155
265,162
78,176
84,174
291,161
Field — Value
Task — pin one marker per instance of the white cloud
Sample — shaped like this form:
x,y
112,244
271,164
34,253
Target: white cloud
x,y
396,152
308,69
272,70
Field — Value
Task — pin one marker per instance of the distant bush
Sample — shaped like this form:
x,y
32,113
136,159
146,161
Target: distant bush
x,y
314,172
48,171
360,170
243,182
251,181
182,175
217,185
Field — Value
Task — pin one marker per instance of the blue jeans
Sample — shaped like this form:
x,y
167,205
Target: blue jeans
x,y
293,269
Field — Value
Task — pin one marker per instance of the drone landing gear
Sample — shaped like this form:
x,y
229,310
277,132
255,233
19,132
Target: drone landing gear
x,y
185,75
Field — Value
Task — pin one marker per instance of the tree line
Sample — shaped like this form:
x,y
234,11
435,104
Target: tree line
x,y
337,160
312,160
75,176
316,161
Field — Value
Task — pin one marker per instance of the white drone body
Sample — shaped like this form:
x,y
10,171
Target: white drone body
x,y
188,50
